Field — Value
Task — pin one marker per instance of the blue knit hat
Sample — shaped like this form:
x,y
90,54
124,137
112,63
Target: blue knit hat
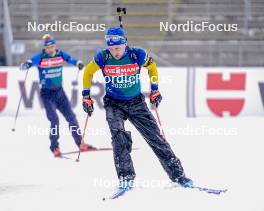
x,y
48,39
115,36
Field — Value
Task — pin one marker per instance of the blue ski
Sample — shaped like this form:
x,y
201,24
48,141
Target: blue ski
x,y
120,192
202,189
209,190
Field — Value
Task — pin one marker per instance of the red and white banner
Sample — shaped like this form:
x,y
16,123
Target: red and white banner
x,y
191,92
228,91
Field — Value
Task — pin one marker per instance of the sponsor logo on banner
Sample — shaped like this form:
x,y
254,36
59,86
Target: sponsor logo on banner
x,y
261,90
3,85
231,105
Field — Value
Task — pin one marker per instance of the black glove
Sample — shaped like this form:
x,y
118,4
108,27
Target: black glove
x,y
88,105
155,98
25,66
87,102
80,65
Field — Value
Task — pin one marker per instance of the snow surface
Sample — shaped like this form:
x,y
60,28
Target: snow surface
x,y
31,179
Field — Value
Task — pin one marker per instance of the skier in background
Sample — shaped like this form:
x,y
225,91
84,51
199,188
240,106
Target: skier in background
x,y
123,100
50,64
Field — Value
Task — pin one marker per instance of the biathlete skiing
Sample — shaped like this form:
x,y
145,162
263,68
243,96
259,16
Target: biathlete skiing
x,y
121,66
50,64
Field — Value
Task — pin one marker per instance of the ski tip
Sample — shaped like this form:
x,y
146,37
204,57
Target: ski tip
x,y
217,192
62,157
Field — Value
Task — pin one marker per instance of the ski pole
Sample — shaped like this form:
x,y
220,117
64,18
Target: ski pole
x,y
82,140
19,103
159,121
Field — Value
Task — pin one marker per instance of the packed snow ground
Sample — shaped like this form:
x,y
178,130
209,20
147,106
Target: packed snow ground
x,y
31,179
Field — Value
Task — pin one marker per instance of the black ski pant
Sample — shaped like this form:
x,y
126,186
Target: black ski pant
x,y
137,112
